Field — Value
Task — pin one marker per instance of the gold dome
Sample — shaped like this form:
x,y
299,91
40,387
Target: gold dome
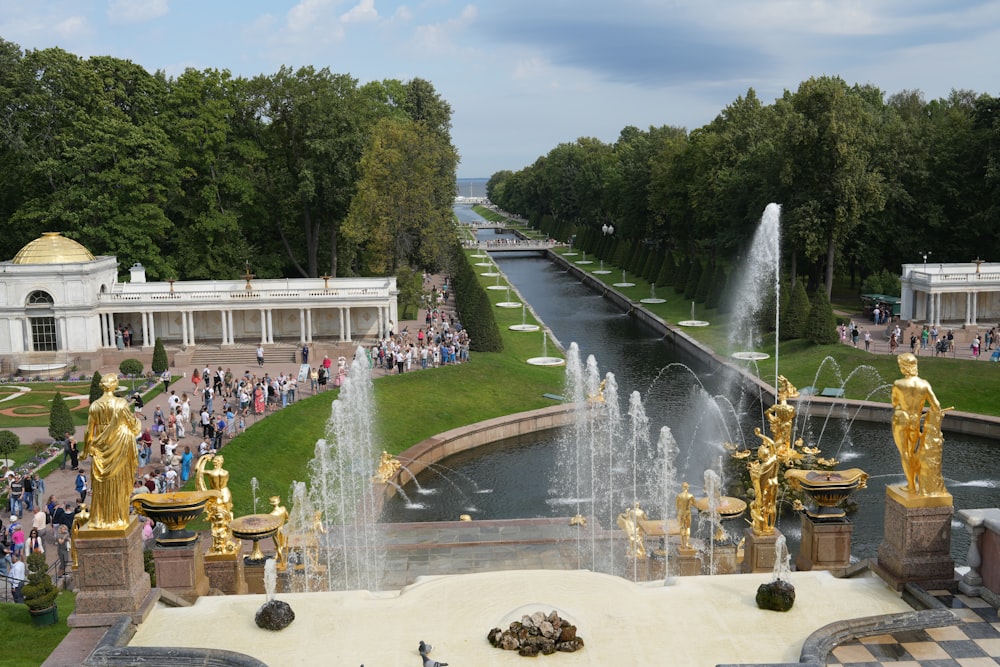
x,y
52,248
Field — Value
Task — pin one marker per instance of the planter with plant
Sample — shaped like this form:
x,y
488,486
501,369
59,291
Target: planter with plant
x,y
40,593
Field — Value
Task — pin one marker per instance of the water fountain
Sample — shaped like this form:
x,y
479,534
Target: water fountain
x,y
524,326
340,488
584,260
652,298
624,282
693,322
601,271
545,359
759,280
508,303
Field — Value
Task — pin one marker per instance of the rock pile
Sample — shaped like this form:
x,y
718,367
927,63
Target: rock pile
x,y
536,634
274,615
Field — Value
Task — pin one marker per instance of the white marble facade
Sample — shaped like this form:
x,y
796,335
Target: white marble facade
x,y
56,297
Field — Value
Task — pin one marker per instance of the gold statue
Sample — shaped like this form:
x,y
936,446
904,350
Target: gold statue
x,y
79,519
220,509
597,397
684,501
629,522
388,466
919,450
780,417
110,440
764,475
280,539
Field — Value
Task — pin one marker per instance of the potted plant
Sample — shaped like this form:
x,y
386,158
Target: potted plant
x,y
40,593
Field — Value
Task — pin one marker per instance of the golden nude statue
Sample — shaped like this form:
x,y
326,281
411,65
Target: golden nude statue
x,y
629,522
684,502
110,441
79,519
388,466
780,418
919,449
220,509
764,475
280,539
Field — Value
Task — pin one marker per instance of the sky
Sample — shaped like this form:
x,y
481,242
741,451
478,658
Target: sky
x,y
523,76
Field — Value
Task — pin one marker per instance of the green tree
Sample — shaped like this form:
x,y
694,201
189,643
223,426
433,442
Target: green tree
x,y
410,286
9,442
827,169
60,419
401,214
130,368
95,387
821,327
160,362
795,315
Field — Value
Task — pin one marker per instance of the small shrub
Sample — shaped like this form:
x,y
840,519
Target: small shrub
x,y
39,593
9,442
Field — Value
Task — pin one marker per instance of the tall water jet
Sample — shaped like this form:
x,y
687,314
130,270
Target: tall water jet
x,y
759,279
341,488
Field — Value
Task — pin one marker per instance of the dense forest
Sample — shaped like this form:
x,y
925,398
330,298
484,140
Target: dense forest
x,y
867,182
299,173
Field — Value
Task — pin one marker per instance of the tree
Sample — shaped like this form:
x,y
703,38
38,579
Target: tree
x,y
401,214
828,169
160,362
130,368
821,327
95,387
60,419
9,442
795,316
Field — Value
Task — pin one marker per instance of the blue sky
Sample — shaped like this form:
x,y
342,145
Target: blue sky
x,y
525,75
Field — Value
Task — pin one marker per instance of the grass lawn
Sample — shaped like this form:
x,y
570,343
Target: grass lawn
x,y
31,408
25,645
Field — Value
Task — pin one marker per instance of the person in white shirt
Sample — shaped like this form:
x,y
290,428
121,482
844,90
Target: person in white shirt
x,y
18,578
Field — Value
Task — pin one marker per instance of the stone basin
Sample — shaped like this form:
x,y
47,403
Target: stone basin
x,y
174,510
827,488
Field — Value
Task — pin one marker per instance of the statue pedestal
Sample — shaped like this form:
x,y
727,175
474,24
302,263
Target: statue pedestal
x,y
916,539
759,552
688,563
826,545
225,573
724,557
253,572
181,570
111,578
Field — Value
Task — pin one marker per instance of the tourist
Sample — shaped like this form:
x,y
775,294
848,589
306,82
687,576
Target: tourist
x,y
62,549
260,355
305,354
186,464
34,543
81,485
40,520
18,578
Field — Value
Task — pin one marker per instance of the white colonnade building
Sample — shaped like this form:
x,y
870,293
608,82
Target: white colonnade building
x,y
57,300
961,294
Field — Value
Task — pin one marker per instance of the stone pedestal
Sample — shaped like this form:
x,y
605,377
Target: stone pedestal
x,y
759,552
181,570
253,572
688,563
826,545
111,578
724,557
916,539
225,573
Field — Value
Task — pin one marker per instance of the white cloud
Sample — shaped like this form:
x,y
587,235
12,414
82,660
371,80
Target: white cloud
x,y
440,37
308,13
363,12
136,11
71,27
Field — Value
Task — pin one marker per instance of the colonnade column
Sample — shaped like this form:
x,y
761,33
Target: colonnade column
x,y
340,324
270,327
309,325
184,328
263,327
191,340
232,333
302,326
225,328
62,342
347,323
149,331
975,308
110,329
